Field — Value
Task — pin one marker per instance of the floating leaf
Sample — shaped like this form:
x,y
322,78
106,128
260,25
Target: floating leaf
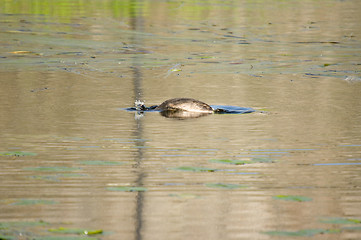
x,y
7,225
302,233
174,68
229,161
17,153
21,52
99,162
53,169
93,232
225,185
352,228
293,198
10,230
75,231
329,64
56,178
340,220
195,169
46,178
33,202
263,160
127,189
64,238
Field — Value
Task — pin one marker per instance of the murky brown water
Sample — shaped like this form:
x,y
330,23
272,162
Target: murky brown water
x,y
67,70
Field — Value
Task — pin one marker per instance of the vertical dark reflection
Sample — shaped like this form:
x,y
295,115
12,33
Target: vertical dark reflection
x,y
137,25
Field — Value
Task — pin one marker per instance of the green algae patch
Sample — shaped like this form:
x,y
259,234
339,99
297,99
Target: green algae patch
x,y
39,230
33,202
53,169
102,163
127,189
194,169
78,231
7,225
225,185
64,238
302,233
58,177
229,161
293,198
17,154
352,228
45,178
340,220
263,160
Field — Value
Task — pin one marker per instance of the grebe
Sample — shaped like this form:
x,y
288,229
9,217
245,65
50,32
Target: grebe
x,y
185,104
177,104
187,108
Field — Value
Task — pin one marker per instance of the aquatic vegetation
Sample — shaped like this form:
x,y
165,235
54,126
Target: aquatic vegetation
x,y
302,233
10,230
52,169
229,161
293,198
352,228
17,153
225,185
340,220
100,162
313,232
45,178
194,169
33,202
174,68
75,231
336,164
7,225
127,189
65,238
39,230
57,177
263,160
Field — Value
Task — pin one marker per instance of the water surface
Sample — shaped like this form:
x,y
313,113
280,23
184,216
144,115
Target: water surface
x,y
72,158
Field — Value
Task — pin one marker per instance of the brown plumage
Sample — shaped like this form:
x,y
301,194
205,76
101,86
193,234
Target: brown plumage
x,y
185,104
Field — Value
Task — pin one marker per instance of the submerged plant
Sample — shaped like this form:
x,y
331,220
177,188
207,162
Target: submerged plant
x,y
340,220
53,169
293,198
17,153
75,231
127,189
225,185
229,161
302,233
195,169
33,202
